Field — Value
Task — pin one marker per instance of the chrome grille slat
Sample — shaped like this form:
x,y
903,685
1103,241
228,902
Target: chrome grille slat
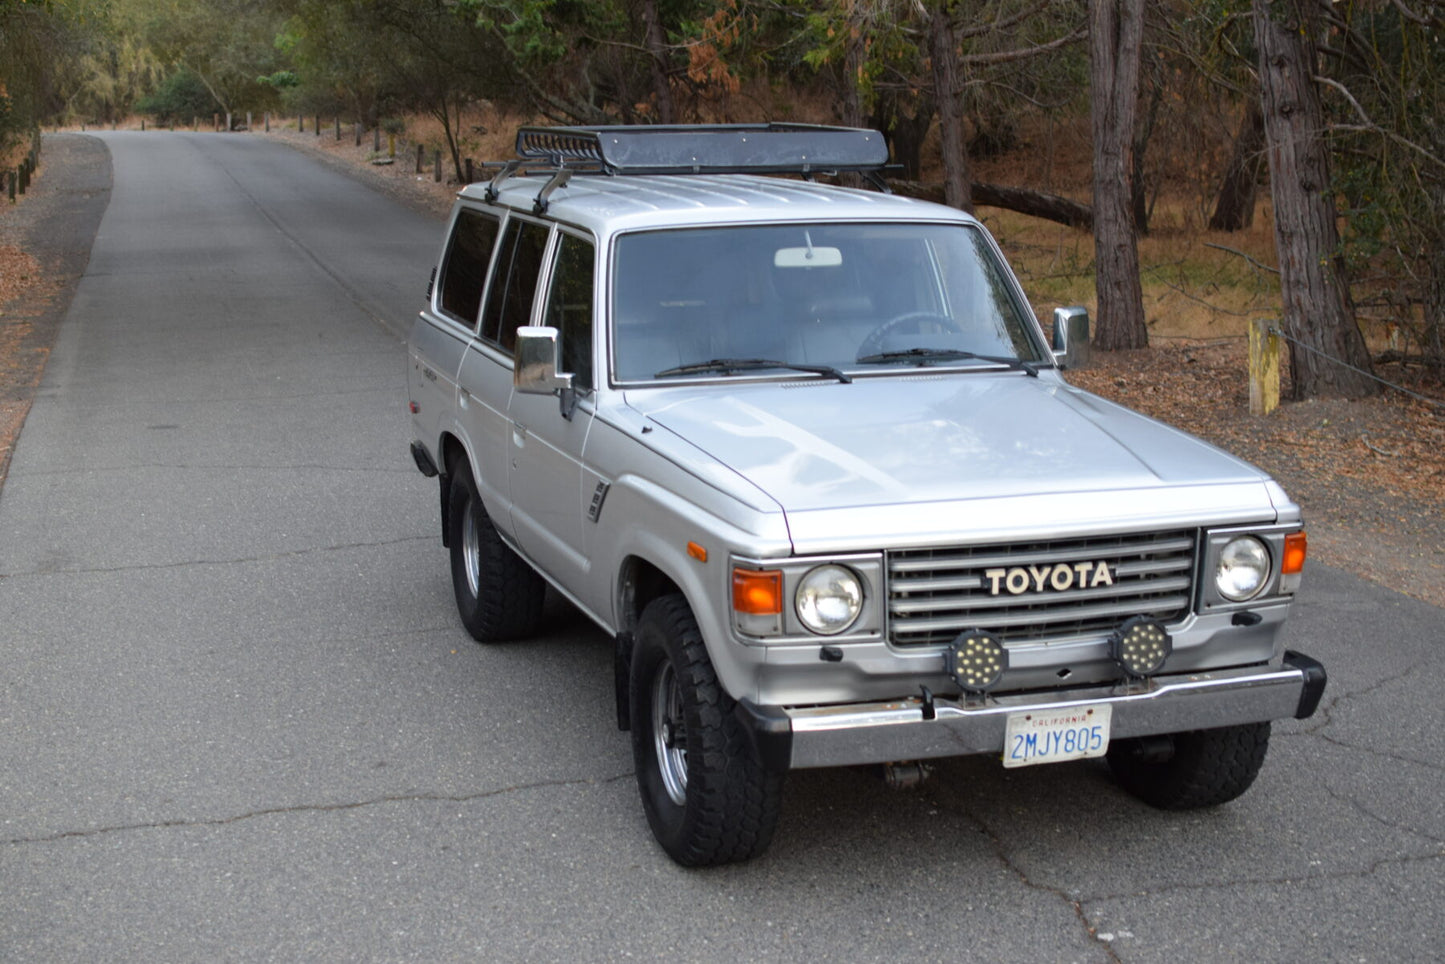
x,y
934,594
1052,600
1049,617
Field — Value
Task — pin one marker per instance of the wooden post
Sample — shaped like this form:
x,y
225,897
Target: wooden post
x,y
248,120
470,179
318,125
419,158
437,165
215,122
338,128
300,123
376,140
1263,367
228,122
10,177
391,145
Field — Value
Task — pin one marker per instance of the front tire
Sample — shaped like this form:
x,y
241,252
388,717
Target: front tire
x,y
707,797
1207,768
499,597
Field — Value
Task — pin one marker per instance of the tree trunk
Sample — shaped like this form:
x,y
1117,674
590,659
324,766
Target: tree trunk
x,y
1036,204
1139,194
1234,208
943,51
905,132
1319,318
657,63
1116,35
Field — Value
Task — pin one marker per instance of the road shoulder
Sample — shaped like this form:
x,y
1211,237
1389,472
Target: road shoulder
x,y
47,238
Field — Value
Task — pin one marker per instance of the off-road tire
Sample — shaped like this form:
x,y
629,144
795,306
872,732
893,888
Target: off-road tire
x,y
1209,767
499,597
730,802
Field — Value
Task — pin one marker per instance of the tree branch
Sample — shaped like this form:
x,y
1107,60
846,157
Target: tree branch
x,y
1369,125
1009,56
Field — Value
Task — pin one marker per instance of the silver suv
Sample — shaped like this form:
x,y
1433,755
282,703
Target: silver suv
x,y
804,453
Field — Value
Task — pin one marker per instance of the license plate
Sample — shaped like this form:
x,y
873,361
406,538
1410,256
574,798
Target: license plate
x,y
1053,736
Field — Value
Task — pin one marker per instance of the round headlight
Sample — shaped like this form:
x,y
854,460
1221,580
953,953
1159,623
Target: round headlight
x,y
829,599
1243,569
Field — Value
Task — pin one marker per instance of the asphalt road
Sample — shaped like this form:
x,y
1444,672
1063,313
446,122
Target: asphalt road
x,y
240,721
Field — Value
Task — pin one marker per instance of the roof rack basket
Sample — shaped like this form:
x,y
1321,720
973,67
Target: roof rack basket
x,y
804,149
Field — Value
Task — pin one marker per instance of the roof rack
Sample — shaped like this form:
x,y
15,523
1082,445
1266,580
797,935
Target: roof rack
x,y
709,148
802,149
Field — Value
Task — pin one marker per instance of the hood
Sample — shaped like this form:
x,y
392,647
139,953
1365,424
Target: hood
x,y
948,438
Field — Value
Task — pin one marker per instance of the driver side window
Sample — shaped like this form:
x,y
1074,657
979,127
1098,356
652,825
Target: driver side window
x,y
569,306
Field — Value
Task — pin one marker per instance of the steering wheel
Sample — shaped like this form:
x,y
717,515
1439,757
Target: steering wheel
x,y
908,323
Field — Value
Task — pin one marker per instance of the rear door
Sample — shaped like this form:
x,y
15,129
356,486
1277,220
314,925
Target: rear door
x,y
486,374
551,490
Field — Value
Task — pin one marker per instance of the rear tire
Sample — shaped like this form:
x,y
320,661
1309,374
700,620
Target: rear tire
x,y
707,797
499,597
1209,767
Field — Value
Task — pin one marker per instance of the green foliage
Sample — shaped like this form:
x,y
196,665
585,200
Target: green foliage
x,y
1387,73
280,80
180,97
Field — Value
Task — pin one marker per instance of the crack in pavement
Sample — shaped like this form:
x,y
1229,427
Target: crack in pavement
x,y
1367,871
1323,716
1364,811
319,808
271,557
1002,855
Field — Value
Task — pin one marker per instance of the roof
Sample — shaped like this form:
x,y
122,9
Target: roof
x,y
607,204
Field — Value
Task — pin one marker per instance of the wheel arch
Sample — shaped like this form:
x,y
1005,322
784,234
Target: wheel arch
x,y
639,582
450,449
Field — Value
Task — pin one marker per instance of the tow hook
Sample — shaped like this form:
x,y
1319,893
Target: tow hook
x,y
905,775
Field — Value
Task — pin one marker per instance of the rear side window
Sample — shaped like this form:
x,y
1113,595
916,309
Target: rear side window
x,y
509,300
464,272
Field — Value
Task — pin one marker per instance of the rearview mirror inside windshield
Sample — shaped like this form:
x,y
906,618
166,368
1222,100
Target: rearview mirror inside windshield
x,y
807,258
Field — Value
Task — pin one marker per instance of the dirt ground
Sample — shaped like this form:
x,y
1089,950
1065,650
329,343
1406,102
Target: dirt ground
x,y
1370,474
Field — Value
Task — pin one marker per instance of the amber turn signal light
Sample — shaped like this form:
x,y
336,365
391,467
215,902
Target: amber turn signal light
x,y
758,593
1295,545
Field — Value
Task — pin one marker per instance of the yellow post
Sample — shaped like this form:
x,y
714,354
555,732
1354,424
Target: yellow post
x,y
1263,368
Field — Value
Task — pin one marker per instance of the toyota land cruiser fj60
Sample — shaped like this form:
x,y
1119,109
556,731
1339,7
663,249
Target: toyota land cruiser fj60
x,y
806,456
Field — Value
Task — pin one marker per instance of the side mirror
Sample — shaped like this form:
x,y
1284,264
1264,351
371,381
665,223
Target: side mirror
x,y
534,370
1071,337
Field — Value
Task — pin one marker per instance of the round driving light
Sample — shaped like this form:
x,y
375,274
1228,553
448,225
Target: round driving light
x,y
1242,570
829,599
976,661
1141,646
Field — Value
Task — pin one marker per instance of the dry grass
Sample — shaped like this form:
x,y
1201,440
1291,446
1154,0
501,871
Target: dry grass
x,y
1193,288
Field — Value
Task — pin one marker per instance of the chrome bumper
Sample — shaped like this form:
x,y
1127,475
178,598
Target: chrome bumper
x,y
790,738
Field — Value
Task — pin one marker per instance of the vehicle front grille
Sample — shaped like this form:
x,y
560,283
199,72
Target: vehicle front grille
x,y
934,594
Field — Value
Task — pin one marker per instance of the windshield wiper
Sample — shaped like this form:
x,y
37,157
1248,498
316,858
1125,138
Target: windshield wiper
x,y
924,356
727,365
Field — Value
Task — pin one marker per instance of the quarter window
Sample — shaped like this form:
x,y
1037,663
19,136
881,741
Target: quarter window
x,y
464,271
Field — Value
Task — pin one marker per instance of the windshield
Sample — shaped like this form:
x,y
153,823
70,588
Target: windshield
x,y
853,297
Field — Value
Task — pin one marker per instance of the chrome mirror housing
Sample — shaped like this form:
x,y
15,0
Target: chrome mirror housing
x,y
534,369
1071,337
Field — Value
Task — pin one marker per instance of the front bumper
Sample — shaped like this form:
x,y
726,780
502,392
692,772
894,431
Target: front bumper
x,y
790,738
